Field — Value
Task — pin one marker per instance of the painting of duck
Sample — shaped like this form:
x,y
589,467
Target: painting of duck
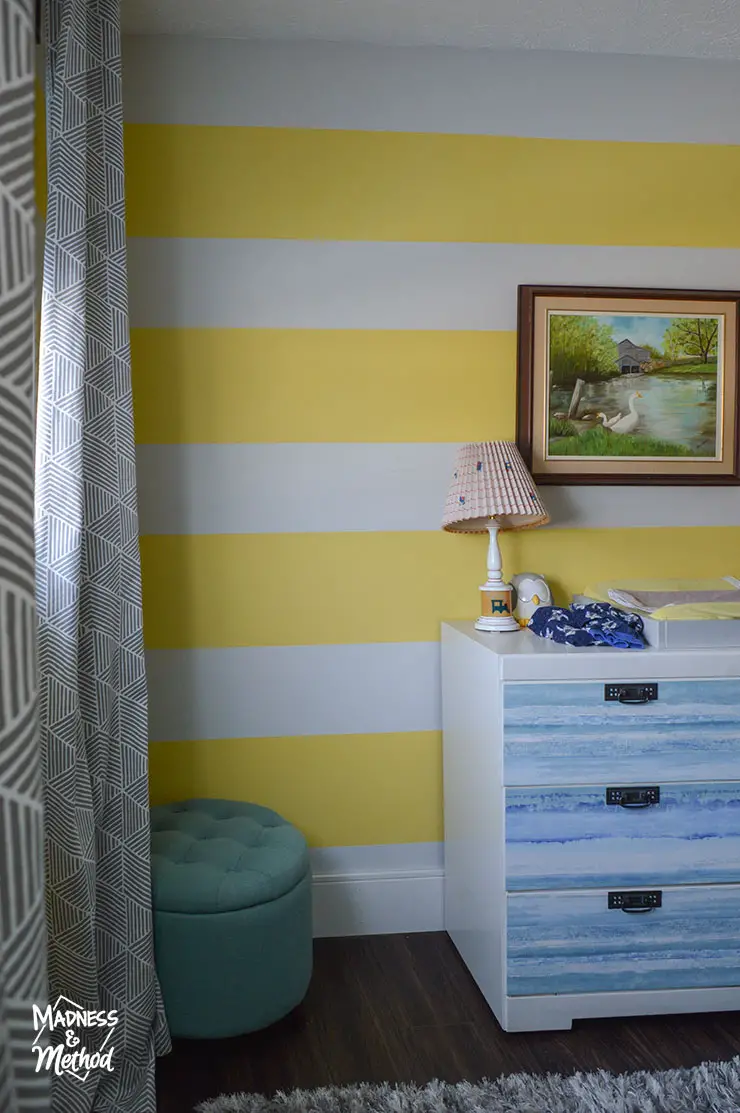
x,y
623,423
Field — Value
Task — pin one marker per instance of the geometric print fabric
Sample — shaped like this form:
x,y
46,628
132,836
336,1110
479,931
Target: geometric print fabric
x,y
93,692
22,921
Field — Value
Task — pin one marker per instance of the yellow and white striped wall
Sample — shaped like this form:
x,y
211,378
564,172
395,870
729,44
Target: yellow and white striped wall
x,y
325,246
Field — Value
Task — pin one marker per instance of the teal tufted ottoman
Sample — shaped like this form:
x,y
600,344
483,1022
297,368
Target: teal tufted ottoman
x,y
231,888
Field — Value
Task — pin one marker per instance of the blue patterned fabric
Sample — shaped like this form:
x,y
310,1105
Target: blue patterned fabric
x,y
589,624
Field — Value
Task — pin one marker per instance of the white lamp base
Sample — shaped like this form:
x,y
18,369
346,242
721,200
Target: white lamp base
x,y
497,597
496,625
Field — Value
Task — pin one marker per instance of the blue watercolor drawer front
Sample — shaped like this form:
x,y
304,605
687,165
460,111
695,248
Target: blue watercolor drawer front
x,y
566,734
569,838
573,943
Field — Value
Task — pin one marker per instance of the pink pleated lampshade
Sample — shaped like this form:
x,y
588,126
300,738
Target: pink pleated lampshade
x,y
491,481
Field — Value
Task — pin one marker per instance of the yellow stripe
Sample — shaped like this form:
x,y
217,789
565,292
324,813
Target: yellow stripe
x,y
276,385
333,588
362,185
305,589
340,790
572,558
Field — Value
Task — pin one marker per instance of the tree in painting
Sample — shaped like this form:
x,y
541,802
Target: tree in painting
x,y
581,348
692,336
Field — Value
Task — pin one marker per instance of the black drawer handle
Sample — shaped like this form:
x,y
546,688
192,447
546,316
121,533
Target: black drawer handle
x,y
642,797
646,901
630,693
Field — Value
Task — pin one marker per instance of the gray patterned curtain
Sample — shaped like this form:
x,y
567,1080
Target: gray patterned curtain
x,y
22,925
92,679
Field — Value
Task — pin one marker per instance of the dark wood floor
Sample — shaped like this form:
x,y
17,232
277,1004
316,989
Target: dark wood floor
x,y
403,1008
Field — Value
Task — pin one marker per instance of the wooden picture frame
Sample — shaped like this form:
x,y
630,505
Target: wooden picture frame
x,y
657,405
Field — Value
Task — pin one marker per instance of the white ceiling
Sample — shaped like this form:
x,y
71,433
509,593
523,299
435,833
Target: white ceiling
x,y
679,28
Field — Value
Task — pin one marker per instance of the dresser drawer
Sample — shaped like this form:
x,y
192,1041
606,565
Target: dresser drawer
x,y
569,838
567,733
574,943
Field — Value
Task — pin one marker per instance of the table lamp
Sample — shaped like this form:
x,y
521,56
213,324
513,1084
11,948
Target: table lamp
x,y
492,490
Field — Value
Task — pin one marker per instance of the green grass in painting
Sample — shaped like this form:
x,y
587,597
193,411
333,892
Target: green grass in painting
x,y
561,427
600,442
698,370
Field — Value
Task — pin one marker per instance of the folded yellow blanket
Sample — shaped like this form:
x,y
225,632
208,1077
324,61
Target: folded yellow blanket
x,y
675,612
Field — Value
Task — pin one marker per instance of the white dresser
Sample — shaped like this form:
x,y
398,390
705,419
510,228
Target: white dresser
x,y
592,826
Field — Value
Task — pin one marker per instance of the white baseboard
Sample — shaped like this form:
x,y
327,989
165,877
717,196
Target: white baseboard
x,y
377,890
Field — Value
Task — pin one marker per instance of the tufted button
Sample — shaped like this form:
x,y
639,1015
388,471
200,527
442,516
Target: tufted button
x,y
215,856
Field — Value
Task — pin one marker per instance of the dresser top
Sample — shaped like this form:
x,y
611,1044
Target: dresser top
x,y
523,643
522,655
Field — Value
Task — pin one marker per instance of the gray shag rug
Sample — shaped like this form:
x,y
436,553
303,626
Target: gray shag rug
x,y
709,1088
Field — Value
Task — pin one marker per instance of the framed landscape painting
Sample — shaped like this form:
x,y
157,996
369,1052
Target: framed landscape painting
x,y
628,385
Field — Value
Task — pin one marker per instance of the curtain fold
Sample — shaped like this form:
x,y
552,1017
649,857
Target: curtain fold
x,y
93,693
22,925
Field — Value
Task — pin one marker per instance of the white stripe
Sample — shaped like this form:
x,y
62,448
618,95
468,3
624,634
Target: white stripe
x,y
553,94
326,488
243,283
641,507
277,691
387,859
313,488
361,890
